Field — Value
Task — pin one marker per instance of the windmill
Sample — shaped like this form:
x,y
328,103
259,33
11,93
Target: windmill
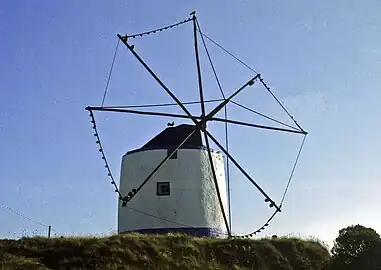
x,y
138,185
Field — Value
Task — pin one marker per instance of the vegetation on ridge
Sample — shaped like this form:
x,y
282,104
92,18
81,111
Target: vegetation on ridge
x,y
134,251
356,247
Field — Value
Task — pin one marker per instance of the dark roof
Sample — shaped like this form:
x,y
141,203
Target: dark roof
x,y
173,136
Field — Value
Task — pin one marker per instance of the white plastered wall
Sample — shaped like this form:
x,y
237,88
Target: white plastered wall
x,y
192,201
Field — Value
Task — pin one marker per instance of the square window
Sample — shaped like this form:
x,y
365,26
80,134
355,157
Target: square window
x,y
174,156
163,189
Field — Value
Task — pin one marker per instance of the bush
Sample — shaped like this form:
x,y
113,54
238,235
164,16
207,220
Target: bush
x,y
356,247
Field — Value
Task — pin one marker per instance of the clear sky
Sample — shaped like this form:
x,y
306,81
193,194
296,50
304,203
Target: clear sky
x,y
321,58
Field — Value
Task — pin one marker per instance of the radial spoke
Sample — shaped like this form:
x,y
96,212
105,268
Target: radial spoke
x,y
126,199
226,101
255,125
124,40
143,112
216,184
272,203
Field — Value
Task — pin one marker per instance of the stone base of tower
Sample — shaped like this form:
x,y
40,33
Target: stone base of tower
x,y
198,232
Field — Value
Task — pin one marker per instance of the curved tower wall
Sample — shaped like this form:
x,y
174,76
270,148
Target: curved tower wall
x,y
192,204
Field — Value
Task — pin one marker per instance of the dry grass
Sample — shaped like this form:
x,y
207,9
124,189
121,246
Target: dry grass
x,y
174,251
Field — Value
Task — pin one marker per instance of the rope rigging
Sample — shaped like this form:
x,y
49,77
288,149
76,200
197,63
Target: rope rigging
x,y
284,194
98,142
109,74
23,216
160,105
263,115
159,29
293,169
200,123
229,53
6,207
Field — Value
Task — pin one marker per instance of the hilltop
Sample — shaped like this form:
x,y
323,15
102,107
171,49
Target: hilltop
x,y
134,251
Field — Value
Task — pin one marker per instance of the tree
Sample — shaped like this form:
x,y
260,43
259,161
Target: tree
x,y
369,258
354,244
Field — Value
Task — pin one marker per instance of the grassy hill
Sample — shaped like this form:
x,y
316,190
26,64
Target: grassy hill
x,y
134,251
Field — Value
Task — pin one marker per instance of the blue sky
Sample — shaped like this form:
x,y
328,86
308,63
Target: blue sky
x,y
322,59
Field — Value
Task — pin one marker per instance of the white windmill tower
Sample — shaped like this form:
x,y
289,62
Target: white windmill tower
x,y
182,190
175,182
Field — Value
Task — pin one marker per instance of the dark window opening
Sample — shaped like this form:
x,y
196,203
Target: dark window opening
x,y
174,156
163,189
